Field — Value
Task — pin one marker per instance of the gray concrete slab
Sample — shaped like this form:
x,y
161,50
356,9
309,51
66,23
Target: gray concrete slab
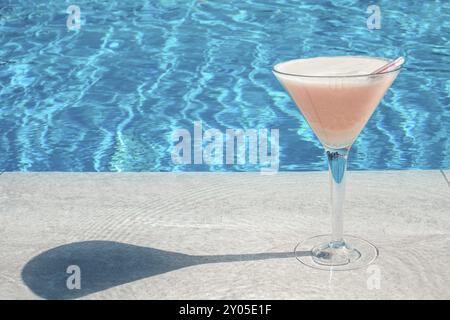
x,y
446,176
218,235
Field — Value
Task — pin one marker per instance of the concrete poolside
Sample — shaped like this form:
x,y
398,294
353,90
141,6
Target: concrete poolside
x,y
218,235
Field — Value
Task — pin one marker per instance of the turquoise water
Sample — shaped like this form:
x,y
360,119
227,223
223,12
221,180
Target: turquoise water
x,y
108,96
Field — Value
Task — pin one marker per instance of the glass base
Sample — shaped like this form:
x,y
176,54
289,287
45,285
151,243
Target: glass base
x,y
321,253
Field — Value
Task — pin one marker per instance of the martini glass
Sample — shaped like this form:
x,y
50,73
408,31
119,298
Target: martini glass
x,y
337,96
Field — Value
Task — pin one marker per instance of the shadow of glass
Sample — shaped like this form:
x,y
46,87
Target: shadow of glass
x,y
105,264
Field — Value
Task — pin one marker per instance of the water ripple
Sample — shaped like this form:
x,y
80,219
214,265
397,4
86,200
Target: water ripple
x,y
107,97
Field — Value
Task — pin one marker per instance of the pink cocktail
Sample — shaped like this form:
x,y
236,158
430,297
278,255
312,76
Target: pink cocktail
x,y
337,96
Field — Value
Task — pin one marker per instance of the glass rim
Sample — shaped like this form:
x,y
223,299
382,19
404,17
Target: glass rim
x,y
334,76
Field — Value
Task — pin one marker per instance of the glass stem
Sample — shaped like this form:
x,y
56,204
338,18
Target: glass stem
x,y
337,164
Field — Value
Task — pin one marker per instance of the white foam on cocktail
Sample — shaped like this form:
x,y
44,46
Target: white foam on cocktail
x,y
331,66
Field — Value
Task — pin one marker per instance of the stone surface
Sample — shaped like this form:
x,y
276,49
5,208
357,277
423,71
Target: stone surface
x,y
446,176
218,235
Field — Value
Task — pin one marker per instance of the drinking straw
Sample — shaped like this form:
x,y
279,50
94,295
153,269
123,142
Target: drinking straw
x,y
390,65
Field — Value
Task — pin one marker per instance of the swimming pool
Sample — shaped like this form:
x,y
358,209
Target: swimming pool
x,y
108,96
